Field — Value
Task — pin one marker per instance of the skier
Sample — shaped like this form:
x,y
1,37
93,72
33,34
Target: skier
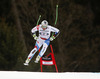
x,y
43,40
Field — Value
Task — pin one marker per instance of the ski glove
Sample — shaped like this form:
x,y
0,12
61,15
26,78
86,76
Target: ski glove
x,y
52,38
35,37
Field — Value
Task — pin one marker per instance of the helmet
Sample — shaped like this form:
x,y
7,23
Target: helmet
x,y
44,24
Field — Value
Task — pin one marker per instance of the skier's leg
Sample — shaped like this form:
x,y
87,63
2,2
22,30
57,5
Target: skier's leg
x,y
32,53
43,50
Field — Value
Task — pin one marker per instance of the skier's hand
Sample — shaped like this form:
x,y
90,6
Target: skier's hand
x,y
52,38
35,37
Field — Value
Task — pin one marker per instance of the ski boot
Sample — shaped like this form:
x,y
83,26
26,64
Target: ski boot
x,y
37,59
27,62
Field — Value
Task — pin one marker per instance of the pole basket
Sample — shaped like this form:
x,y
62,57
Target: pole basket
x,y
48,60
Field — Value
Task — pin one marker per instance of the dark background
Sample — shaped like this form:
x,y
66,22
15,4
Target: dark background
x,y
76,49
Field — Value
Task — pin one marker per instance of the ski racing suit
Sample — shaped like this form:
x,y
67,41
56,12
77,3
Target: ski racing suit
x,y
43,39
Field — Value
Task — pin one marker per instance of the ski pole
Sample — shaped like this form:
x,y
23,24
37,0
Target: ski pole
x,y
56,17
56,14
38,20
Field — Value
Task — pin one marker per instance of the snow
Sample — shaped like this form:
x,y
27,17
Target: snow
x,y
48,75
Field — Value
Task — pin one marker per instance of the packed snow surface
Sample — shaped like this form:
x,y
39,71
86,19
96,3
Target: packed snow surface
x,y
48,75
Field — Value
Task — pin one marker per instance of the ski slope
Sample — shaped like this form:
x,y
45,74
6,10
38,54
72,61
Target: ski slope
x,y
48,75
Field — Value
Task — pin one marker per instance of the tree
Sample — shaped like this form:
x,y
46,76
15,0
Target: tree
x,y
10,47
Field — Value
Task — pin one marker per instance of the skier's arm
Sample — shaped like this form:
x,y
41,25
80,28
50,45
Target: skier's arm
x,y
33,31
56,32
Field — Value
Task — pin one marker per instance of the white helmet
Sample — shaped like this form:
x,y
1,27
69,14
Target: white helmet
x,y
44,24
